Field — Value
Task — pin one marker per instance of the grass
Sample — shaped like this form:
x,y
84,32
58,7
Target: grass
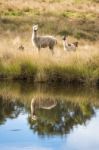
x,y
79,27
76,18
62,67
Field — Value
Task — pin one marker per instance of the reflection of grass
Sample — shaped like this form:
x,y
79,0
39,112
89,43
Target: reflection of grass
x,y
25,92
75,105
67,99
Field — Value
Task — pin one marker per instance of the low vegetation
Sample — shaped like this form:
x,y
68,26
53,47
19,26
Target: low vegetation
x,y
67,67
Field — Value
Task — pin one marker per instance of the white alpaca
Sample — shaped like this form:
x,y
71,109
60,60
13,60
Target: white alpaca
x,y
43,41
69,46
39,103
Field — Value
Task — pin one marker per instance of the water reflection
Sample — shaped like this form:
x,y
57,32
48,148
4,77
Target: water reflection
x,y
48,116
45,117
9,109
57,117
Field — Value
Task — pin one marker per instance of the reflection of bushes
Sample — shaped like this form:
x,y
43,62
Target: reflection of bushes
x,y
74,106
61,119
9,109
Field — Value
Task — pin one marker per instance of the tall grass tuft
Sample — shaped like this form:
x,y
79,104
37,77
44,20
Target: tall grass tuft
x,y
27,70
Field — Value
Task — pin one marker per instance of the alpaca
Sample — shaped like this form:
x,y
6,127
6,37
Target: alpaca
x,y
69,47
42,41
46,104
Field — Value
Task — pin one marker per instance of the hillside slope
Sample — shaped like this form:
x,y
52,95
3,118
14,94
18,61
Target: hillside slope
x,y
78,18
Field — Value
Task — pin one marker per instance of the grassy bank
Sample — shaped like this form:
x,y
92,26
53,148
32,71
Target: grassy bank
x,y
79,66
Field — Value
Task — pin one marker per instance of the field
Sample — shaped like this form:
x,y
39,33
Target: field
x,y
77,18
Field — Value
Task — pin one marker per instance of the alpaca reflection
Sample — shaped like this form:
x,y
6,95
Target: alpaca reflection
x,y
61,118
46,104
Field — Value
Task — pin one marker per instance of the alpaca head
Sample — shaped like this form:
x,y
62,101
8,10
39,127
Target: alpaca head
x,y
76,44
35,27
34,117
64,38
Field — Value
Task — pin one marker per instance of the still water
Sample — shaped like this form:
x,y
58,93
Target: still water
x,y
44,117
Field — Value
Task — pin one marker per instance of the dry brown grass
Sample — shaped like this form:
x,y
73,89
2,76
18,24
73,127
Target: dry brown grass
x,y
81,65
59,17
75,17
53,5
25,92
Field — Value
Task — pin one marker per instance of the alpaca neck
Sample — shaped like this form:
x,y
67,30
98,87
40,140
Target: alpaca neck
x,y
66,43
32,108
34,34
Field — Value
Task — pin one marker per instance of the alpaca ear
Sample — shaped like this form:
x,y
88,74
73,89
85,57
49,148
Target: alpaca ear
x,y
35,27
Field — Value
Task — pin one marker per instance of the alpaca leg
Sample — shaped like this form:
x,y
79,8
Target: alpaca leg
x,y
39,48
52,50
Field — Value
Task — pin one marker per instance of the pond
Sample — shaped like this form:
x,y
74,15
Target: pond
x,y
45,117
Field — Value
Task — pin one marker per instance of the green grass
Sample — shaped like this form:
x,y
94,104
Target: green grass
x,y
20,12
22,70
81,23
72,68
78,25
